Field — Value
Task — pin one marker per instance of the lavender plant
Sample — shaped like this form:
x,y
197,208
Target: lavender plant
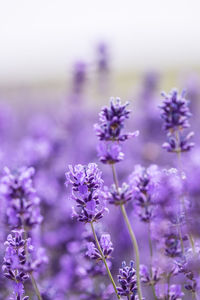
x,y
86,183
161,202
111,123
23,214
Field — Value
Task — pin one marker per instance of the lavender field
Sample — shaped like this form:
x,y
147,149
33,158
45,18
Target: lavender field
x,y
101,201
99,150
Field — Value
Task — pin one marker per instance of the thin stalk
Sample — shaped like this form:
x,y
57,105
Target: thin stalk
x,y
135,246
168,284
115,177
132,236
35,286
192,243
151,258
194,296
180,167
33,281
181,239
104,260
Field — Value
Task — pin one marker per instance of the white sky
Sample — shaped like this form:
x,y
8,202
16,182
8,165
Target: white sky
x,y
42,38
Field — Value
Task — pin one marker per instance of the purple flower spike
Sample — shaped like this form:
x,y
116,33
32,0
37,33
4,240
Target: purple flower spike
x,y
111,122
121,196
79,76
22,200
106,246
86,184
110,153
144,183
182,145
127,280
175,292
150,278
15,260
175,111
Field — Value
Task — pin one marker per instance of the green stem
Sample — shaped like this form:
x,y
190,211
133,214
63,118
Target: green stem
x,y
192,242
180,237
183,198
135,246
35,286
132,235
115,177
168,284
194,296
33,281
104,260
151,258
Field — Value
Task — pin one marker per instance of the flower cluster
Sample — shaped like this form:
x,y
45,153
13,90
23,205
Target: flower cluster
x,y
144,183
110,153
127,281
106,246
86,184
21,197
79,77
118,196
111,121
15,261
109,131
153,215
150,278
172,292
176,114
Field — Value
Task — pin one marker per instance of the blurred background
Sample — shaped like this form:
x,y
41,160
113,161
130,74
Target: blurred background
x,y
41,40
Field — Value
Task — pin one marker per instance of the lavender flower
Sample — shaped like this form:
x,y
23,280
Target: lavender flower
x,y
189,266
110,153
175,111
106,246
144,183
79,77
176,114
15,260
111,122
127,280
119,196
150,278
22,200
173,292
86,183
183,143
102,52
172,245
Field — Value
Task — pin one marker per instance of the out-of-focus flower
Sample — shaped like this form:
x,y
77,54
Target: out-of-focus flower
x,y
144,183
79,76
119,196
110,153
22,200
175,111
183,143
172,292
150,278
106,246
